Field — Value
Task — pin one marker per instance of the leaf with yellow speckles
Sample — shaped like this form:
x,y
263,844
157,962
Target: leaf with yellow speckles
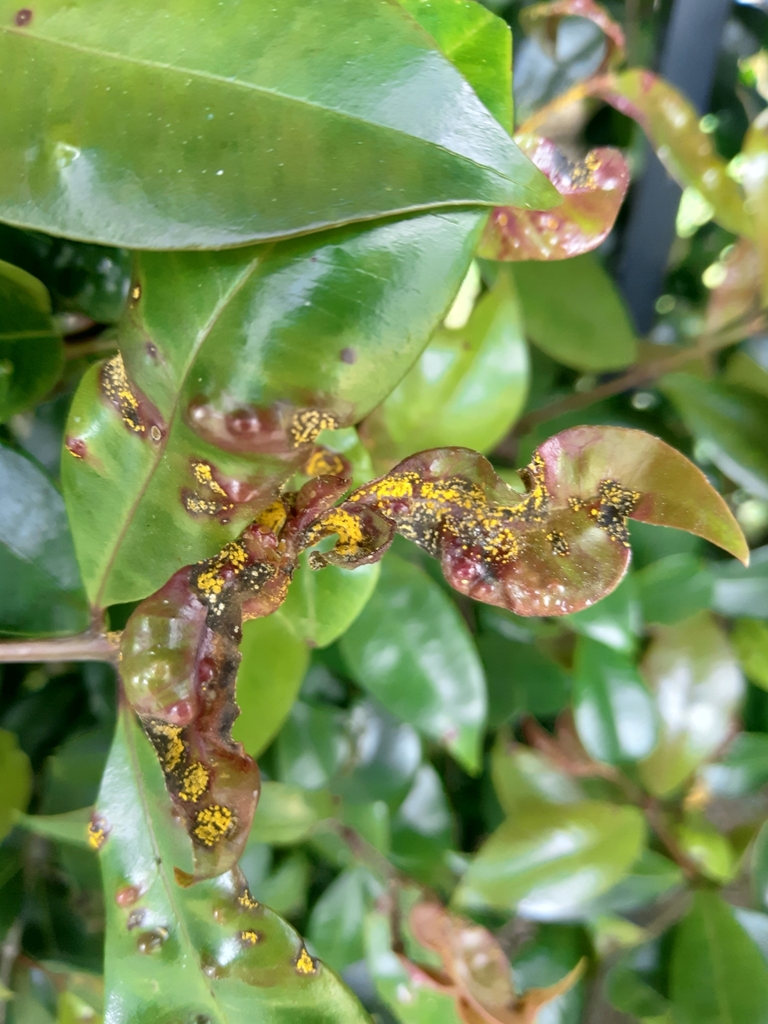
x,y
207,952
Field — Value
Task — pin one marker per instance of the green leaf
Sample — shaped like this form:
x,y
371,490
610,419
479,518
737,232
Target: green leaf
x,y
204,950
522,776
573,312
730,424
467,388
750,641
717,973
321,606
232,128
698,688
742,770
336,924
555,950
759,867
593,190
40,589
613,711
650,877
615,621
412,651
313,745
477,43
673,589
631,994
268,680
706,847
31,351
17,781
521,679
385,754
287,814
215,380
547,861
742,591
70,827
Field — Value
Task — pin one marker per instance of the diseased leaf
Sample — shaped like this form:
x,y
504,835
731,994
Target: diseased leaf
x,y
545,18
557,549
31,351
411,650
230,129
573,312
172,452
186,953
40,589
698,687
613,711
547,861
467,388
593,190
717,973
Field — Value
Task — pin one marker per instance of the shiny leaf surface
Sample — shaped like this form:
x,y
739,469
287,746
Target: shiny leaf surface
x,y
204,951
40,589
320,606
693,674
294,86
410,649
198,426
593,190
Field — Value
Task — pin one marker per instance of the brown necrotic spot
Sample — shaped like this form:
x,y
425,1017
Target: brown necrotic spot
x,y
616,504
135,919
127,895
76,446
23,17
214,823
151,942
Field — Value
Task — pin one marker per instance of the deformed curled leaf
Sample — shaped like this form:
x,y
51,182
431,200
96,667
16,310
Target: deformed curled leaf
x,y
556,549
593,190
544,18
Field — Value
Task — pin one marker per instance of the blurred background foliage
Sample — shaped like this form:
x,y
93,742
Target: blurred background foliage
x,y
586,787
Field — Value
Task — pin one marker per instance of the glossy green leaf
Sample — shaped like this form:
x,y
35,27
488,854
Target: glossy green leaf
x,y
614,712
412,651
631,994
88,279
17,780
294,85
476,42
742,769
555,950
706,847
384,756
321,606
649,878
750,641
268,680
573,312
730,424
206,950
211,344
422,830
752,174
336,924
467,388
698,687
717,973
547,861
287,814
522,776
40,588
742,591
614,621
521,679
673,588
31,351
70,827
313,745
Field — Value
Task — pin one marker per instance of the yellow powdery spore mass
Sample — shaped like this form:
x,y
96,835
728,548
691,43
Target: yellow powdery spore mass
x,y
97,833
247,901
250,937
305,964
348,528
308,423
174,748
204,475
117,388
273,517
213,824
399,486
324,463
195,782
211,581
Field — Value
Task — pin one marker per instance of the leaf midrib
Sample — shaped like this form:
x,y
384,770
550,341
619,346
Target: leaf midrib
x,y
201,339
94,51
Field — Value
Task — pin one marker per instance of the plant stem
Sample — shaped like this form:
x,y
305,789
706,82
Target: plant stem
x,y
82,647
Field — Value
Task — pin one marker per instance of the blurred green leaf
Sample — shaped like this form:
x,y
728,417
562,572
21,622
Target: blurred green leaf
x,y
742,591
285,889
287,814
522,775
717,975
698,687
69,827
40,589
631,994
268,680
649,878
547,861
614,712
221,374
521,679
313,745
760,867
170,964
422,830
555,950
336,924
321,606
750,641
467,388
294,103
572,311
384,755
706,847
16,774
673,589
31,350
411,650
742,770
615,621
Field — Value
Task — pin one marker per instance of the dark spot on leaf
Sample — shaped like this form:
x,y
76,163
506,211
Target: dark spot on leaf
x,y
127,896
152,350
135,919
151,942
348,355
76,446
23,17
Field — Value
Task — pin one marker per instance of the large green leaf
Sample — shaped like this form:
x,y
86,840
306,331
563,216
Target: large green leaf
x,y
196,130
40,588
718,975
320,606
411,649
336,923
547,860
467,388
201,953
698,687
31,352
573,312
224,346
17,780
614,712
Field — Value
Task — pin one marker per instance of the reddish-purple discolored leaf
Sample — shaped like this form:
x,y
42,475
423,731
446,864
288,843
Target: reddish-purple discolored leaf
x,y
558,548
593,190
737,300
754,176
546,17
